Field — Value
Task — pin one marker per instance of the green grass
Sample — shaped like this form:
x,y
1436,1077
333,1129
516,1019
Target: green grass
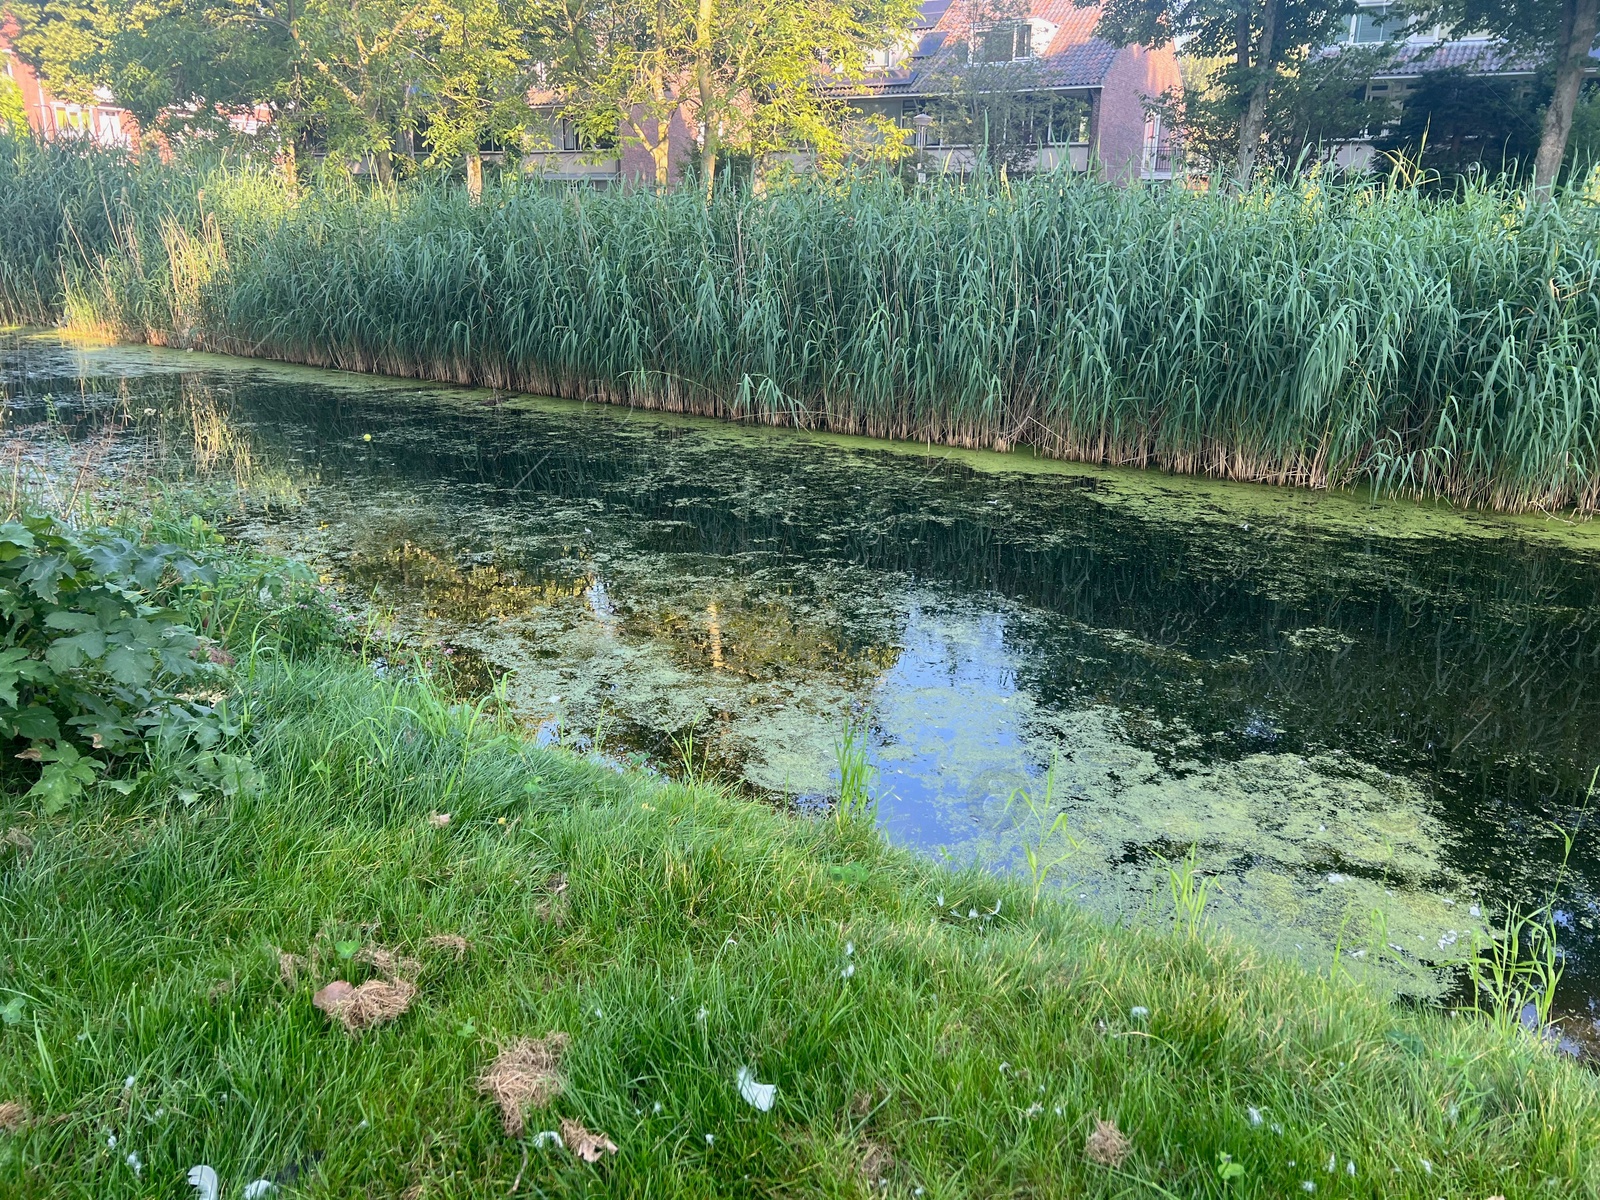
x,y
143,936
1306,333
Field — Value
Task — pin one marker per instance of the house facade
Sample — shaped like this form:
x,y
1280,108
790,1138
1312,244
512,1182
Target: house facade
x,y
100,121
1046,48
962,52
1421,53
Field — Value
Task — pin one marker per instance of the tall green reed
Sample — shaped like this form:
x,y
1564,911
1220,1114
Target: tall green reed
x,y
1307,333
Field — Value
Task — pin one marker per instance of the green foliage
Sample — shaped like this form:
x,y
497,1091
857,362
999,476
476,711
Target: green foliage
x,y
1457,123
13,115
171,62
92,663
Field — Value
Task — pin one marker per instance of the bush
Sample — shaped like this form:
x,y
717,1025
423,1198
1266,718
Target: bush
x,y
97,664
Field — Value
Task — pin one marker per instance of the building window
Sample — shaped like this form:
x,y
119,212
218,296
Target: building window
x,y
1007,42
1370,26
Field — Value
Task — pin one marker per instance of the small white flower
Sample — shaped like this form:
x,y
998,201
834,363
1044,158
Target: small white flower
x,y
1333,1163
849,949
939,900
598,1013
656,1107
758,1095
1033,1110
258,1188
1058,1110
1255,1117
1277,1129
1350,1169
1475,911
135,1162
361,1124
916,1191
1138,1012
1005,1067
111,1141
1427,1167
547,1137
849,970
127,1084
701,1015
972,914
1307,1185
710,1139
1335,877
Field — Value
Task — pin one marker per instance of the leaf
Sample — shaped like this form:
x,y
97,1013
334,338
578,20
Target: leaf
x,y
129,666
34,722
11,1010
70,653
346,949
65,775
590,1147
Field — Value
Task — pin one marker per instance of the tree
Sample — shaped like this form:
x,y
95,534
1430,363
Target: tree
x,y
479,64
1558,34
748,74
180,66
1263,48
1456,123
13,116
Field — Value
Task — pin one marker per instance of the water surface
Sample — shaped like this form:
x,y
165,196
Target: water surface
x,y
1366,720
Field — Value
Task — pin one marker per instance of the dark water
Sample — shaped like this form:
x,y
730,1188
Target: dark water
x,y
1369,722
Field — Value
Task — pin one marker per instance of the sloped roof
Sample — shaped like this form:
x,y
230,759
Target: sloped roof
x,y
1480,57
1075,57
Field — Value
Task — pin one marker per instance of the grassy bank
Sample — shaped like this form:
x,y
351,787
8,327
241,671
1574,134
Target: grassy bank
x,y
1307,333
928,1033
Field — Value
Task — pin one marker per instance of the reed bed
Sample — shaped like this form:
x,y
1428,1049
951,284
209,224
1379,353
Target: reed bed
x,y
1307,333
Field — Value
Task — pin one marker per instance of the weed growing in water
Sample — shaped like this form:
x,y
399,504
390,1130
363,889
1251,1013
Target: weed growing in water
x,y
1190,891
1041,857
856,773
1516,971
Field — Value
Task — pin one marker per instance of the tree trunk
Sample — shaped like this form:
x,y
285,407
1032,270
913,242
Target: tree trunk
x,y
661,152
1579,19
1254,121
475,175
383,166
291,173
708,147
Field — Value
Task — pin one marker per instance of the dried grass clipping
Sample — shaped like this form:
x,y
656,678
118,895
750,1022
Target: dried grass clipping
x,y
373,1003
587,1146
526,1075
289,967
13,1116
1107,1145
387,962
19,842
552,910
875,1161
453,942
